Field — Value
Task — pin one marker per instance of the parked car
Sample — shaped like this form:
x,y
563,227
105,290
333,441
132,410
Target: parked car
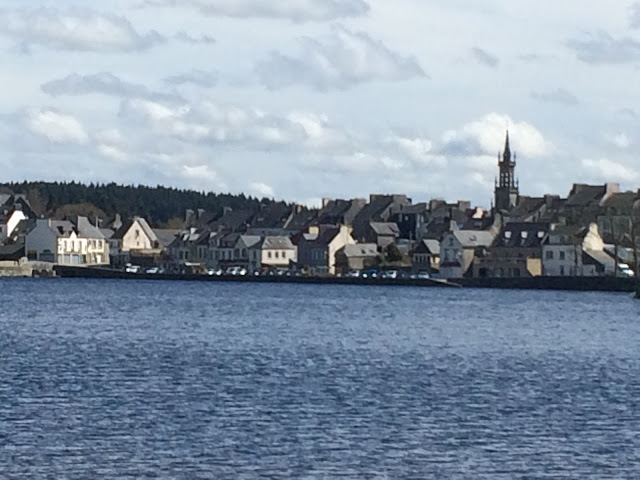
x,y
132,268
369,274
390,274
423,276
236,271
153,270
625,271
214,272
353,274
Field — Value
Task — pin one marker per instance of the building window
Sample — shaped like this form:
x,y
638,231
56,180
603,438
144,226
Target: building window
x,y
268,254
562,255
516,272
550,255
277,254
562,270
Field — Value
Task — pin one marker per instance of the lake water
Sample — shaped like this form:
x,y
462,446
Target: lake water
x,y
119,380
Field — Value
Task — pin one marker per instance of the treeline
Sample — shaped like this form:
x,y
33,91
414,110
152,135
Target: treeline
x,y
162,206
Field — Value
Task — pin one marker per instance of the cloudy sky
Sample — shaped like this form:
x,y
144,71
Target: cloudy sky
x,y
303,99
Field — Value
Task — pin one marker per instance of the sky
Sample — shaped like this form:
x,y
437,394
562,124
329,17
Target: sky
x,y
305,99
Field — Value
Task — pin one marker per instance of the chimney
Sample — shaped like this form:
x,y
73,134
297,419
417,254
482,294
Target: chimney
x,y
325,202
314,230
226,210
201,213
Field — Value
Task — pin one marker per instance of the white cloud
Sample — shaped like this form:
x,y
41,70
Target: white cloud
x,y
295,10
619,140
76,29
195,77
104,83
486,136
55,126
260,189
611,171
341,61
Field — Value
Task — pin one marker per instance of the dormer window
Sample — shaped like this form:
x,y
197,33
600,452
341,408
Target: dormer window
x,y
525,235
507,235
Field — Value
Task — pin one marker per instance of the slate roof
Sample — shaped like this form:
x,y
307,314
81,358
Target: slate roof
x,y
431,247
387,229
473,238
585,195
84,228
126,226
107,233
277,243
360,250
417,209
274,215
251,241
165,237
621,203
301,220
324,238
522,235
11,252
229,240
233,220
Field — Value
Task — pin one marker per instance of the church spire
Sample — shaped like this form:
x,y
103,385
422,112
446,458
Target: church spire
x,y
507,149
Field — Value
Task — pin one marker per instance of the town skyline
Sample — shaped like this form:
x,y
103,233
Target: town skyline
x,y
327,100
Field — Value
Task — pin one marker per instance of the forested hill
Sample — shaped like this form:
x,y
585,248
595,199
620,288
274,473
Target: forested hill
x,y
162,206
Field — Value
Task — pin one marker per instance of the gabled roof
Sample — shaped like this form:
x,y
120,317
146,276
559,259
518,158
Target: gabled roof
x,y
229,240
274,215
85,229
322,239
621,203
251,241
144,226
300,221
522,235
277,243
233,220
165,237
473,238
431,247
107,233
360,250
385,228
585,195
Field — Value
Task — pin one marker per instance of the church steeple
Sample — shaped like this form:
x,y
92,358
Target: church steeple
x,y
506,191
506,156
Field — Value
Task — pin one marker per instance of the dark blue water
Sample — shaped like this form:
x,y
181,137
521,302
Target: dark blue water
x,y
185,381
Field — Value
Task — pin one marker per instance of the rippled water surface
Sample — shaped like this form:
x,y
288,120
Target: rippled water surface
x,y
224,381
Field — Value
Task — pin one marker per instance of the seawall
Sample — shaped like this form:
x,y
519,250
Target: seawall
x,y
580,284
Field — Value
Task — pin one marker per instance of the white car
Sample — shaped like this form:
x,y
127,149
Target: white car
x,y
625,271
132,268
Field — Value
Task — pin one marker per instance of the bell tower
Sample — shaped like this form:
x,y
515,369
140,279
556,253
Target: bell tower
x,y
507,192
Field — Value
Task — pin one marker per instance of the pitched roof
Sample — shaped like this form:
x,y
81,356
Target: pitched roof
x,y
360,250
126,226
165,237
522,235
385,228
621,203
274,215
84,228
428,246
473,238
584,195
301,220
277,243
251,240
233,220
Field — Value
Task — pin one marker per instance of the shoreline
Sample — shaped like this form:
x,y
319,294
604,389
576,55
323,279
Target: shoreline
x,y
578,284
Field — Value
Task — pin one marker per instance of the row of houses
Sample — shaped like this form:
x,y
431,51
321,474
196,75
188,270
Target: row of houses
x,y
587,233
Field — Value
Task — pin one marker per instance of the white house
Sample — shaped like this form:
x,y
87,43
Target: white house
x,y
247,252
573,251
278,251
458,250
68,242
9,221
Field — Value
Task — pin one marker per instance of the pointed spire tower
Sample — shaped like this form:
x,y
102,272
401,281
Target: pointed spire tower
x,y
507,193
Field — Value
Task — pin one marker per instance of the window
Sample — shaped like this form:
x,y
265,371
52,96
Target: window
x,y
277,254
269,254
562,255
451,242
516,272
549,255
562,270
